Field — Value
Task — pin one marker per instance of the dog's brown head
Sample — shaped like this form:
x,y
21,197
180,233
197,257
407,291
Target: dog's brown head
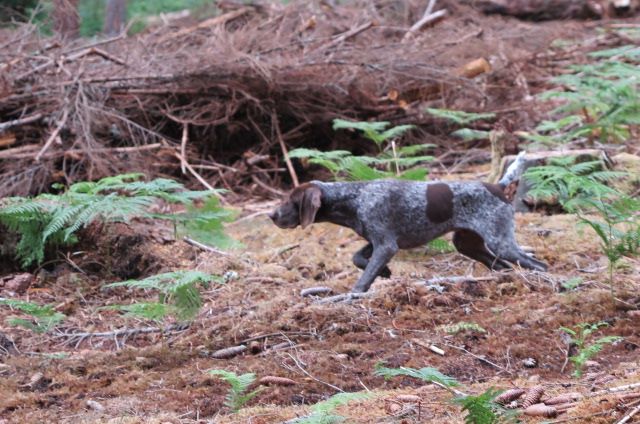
x,y
299,208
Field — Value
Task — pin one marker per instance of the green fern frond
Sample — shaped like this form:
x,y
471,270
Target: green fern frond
x,y
153,311
425,374
323,411
44,318
482,409
441,245
50,220
458,116
178,292
237,396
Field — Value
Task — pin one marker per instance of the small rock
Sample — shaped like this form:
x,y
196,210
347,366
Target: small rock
x,y
18,283
7,346
92,404
534,378
255,347
634,314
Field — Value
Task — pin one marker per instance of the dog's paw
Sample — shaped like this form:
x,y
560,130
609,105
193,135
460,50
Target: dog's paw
x,y
385,273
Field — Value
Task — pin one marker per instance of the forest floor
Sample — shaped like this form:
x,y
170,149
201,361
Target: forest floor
x,y
323,347
152,373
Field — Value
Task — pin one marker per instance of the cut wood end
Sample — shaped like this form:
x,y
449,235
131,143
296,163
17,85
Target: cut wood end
x,y
436,349
475,68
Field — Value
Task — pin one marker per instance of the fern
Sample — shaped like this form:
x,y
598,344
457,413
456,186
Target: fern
x,y
482,409
51,220
579,338
425,374
458,116
323,411
441,245
237,395
582,188
43,318
178,295
391,161
599,100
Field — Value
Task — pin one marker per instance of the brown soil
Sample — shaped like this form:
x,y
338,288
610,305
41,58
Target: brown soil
x,y
153,378
325,348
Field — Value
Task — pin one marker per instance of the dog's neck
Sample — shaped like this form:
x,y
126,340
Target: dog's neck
x,y
339,203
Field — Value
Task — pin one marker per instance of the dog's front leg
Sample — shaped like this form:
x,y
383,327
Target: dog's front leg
x,y
380,257
361,260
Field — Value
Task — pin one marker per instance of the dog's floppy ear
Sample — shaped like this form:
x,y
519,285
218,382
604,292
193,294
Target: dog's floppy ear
x,y
309,205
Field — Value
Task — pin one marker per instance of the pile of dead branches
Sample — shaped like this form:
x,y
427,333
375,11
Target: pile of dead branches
x,y
222,99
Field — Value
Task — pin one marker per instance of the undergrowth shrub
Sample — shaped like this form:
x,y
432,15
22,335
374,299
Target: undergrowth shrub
x,y
392,161
480,409
579,337
581,188
597,101
178,295
237,396
323,412
51,220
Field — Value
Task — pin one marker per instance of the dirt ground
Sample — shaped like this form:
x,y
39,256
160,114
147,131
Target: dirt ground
x,y
326,348
322,347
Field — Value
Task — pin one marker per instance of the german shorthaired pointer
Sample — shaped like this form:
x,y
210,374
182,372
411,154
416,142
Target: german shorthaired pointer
x,y
396,214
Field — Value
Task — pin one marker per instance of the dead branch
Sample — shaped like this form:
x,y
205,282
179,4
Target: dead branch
x,y
54,134
478,357
79,337
16,122
427,18
285,153
344,297
629,416
345,36
218,20
204,247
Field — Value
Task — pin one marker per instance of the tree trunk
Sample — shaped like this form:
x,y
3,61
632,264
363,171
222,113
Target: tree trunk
x,y
66,19
115,16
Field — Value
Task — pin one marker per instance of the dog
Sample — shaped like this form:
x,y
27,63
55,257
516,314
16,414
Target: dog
x,y
398,214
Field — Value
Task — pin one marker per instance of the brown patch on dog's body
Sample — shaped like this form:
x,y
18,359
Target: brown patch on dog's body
x,y
497,191
439,202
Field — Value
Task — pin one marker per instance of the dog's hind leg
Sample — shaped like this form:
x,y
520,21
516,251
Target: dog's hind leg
x,y
470,244
361,260
504,246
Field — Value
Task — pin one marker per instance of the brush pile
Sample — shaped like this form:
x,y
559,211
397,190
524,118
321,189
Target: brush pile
x,y
223,99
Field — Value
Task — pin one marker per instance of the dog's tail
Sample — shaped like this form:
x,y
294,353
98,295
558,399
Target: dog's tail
x,y
514,171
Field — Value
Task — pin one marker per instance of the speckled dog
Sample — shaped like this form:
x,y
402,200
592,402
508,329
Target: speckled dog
x,y
396,214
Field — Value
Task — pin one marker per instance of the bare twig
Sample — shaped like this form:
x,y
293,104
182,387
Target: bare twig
x,y
480,358
629,416
222,19
54,134
27,120
301,368
285,153
427,17
79,337
205,247
280,334
198,177
344,297
183,148
346,35
615,389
